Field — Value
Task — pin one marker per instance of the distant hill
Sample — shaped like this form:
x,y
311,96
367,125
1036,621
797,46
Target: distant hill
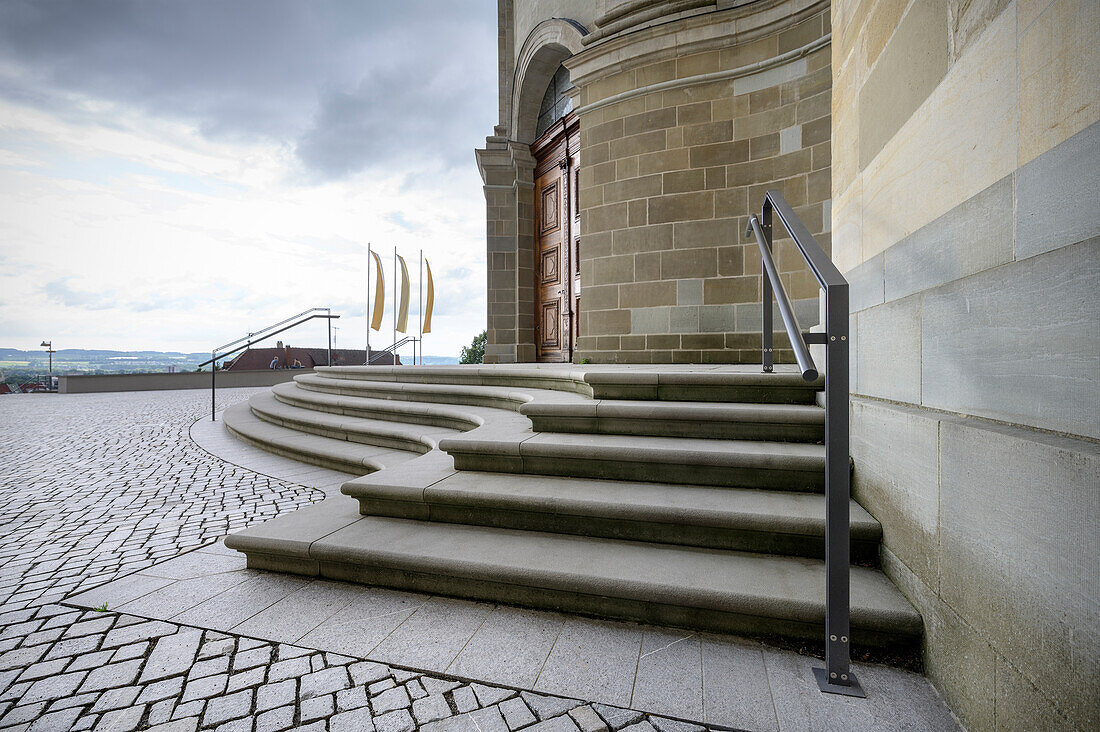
x,y
16,363
82,354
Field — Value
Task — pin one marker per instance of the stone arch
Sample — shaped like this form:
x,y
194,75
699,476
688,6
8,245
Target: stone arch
x,y
548,44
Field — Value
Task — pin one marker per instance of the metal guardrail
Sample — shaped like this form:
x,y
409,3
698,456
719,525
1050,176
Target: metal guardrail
x,y
260,335
836,677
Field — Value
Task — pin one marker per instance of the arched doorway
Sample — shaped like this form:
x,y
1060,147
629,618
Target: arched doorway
x,y
557,224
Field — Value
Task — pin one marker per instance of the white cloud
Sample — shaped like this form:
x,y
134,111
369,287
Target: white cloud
x,y
130,221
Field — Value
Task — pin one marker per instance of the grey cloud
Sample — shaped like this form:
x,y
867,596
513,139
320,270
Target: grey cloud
x,y
348,85
59,291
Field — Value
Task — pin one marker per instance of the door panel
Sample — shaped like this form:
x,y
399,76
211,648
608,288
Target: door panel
x,y
557,245
549,275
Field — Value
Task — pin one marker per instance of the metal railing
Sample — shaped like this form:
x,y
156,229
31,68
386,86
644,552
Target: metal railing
x,y
836,677
392,349
260,335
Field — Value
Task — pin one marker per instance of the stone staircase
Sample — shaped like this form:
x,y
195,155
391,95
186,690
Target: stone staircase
x,y
687,496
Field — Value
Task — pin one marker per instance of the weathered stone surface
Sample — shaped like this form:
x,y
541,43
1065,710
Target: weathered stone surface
x,y
326,681
907,71
430,708
1049,194
516,713
900,487
1017,343
353,721
223,708
888,361
399,721
974,236
391,699
1029,499
172,655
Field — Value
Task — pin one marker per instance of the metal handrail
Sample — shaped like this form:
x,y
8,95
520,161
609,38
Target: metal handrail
x,y
836,677
264,334
393,349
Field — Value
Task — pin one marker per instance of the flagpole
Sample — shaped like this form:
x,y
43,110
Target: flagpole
x,y
420,306
367,362
394,348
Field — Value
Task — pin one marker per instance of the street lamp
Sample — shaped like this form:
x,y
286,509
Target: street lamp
x,y
48,345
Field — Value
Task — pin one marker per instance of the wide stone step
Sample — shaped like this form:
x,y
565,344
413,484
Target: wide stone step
x,y
348,457
707,589
730,421
671,383
720,385
397,435
773,522
741,463
392,410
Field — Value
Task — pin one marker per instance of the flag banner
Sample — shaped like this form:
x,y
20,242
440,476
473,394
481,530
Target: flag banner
x,y
430,301
403,312
379,293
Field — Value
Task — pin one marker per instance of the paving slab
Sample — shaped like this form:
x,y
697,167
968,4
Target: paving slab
x,y
512,643
434,635
593,660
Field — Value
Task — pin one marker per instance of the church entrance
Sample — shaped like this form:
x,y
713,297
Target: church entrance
x,y
557,241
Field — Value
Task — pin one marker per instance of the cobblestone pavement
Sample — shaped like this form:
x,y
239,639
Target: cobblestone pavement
x,y
97,486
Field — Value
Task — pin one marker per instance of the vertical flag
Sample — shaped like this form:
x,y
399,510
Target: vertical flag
x,y
430,300
403,312
379,293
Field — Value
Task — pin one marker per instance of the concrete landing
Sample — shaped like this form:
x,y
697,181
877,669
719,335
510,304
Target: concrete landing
x,y
717,679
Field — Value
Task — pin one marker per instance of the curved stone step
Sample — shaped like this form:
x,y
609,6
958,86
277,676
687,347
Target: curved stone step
x,y
775,522
349,457
392,410
719,420
482,396
707,589
396,435
555,377
743,463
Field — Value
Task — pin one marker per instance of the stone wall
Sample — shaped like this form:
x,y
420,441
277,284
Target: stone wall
x,y
95,383
683,128
966,175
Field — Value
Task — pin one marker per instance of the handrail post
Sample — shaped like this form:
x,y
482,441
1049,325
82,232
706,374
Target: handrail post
x,y
837,677
766,333
213,386
329,320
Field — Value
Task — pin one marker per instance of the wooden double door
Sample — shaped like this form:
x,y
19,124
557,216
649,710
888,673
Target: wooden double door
x,y
557,242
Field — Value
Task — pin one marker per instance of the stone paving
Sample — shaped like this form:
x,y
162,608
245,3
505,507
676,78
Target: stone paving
x,y
99,486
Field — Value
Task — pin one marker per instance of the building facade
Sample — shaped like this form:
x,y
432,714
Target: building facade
x,y
679,116
947,155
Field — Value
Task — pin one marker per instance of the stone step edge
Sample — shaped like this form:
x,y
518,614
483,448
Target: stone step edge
x,y
340,427
472,395
429,413
312,449
644,449
558,376
538,503
363,551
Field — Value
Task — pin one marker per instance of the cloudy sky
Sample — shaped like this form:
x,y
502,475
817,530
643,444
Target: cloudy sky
x,y
175,173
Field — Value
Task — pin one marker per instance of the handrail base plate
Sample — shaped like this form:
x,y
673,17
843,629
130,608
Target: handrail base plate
x,y
827,687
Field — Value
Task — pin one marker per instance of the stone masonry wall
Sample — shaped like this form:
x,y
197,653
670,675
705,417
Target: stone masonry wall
x,y
966,170
668,178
